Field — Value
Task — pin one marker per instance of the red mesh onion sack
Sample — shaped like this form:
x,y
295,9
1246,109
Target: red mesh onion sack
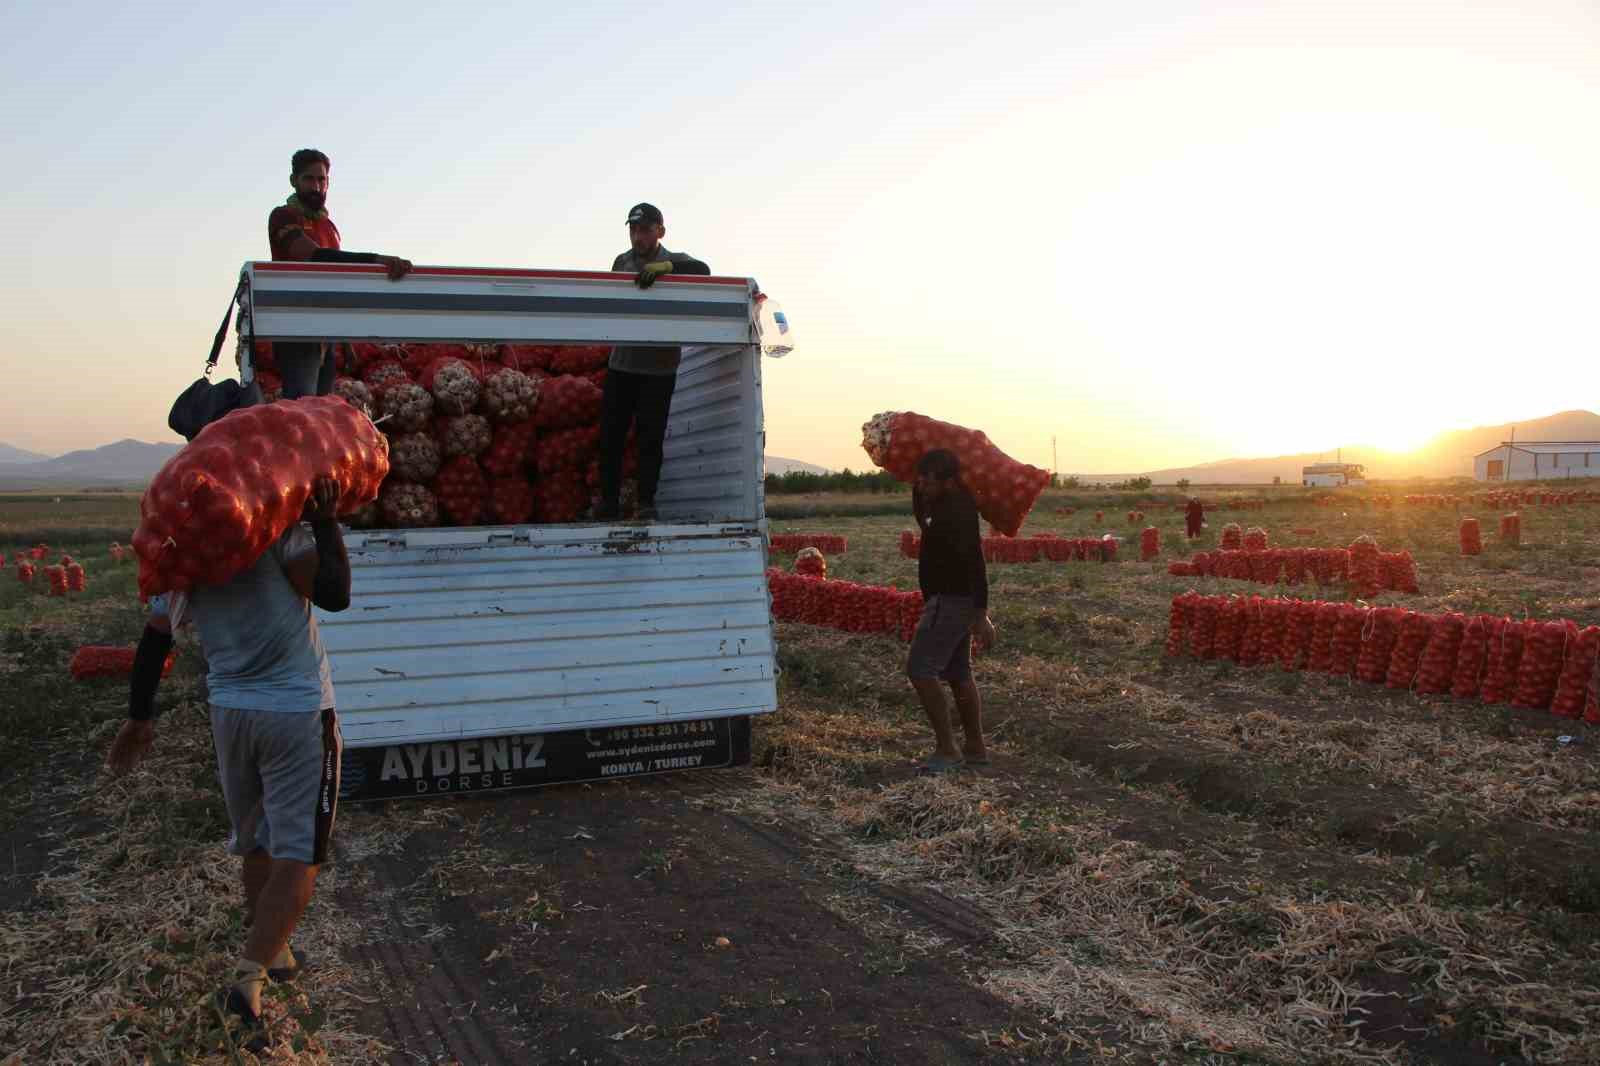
x,y
100,660
461,490
1255,539
1505,656
527,358
566,449
1149,543
1539,671
1274,623
561,496
1471,658
1319,656
1178,622
1230,629
1579,648
77,580
1296,643
1511,530
1232,537
566,401
809,562
1437,668
1377,644
1365,573
511,501
579,358
1406,657
1203,626
218,504
1250,635
1005,490
509,450
1471,537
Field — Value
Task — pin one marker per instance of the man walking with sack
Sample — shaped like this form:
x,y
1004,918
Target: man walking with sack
x,y
300,229
640,378
276,734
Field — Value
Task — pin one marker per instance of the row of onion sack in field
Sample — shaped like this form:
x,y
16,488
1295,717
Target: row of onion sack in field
x,y
497,433
1538,665
808,598
1041,547
1507,498
67,575
789,543
1363,566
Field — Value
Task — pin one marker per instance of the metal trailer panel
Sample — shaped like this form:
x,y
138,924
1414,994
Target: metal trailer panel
x,y
314,301
712,469
466,633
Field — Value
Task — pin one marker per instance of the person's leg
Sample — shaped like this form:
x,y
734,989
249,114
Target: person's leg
x,y
282,900
931,647
969,705
257,867
655,404
300,367
330,366
616,415
931,693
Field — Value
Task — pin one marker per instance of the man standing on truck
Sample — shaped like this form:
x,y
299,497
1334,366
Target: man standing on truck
x,y
300,229
276,734
640,378
955,590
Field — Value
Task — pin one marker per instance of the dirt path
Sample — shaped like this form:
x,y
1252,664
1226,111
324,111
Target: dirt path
x,y
641,922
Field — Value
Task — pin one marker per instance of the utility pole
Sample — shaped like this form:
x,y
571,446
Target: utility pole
x,y
1055,460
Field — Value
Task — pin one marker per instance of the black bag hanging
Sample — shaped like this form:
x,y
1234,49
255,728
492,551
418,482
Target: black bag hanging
x,y
206,401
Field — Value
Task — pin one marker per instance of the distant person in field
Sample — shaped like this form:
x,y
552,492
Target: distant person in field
x,y
640,378
275,730
300,229
955,613
1194,516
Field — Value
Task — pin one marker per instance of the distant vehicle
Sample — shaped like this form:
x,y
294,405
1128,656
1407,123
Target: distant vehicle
x,y
1333,475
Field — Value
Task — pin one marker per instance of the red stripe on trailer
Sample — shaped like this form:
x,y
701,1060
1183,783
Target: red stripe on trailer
x,y
266,266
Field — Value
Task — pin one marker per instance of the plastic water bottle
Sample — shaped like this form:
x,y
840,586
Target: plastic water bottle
x,y
777,336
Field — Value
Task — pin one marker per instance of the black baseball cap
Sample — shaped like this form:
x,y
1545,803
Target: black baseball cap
x,y
648,214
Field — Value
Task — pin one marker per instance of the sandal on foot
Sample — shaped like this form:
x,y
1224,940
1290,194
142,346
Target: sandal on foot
x,y
289,973
253,1034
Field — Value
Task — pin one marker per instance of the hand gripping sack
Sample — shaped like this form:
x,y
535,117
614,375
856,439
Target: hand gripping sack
x,y
1003,488
218,504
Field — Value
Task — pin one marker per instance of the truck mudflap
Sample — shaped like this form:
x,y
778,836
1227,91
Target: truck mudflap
x,y
528,760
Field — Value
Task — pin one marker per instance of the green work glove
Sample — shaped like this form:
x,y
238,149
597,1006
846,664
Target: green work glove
x,y
647,277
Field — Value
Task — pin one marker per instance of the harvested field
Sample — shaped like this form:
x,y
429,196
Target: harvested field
x,y
1169,860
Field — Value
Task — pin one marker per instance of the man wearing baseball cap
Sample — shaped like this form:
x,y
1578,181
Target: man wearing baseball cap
x,y
640,378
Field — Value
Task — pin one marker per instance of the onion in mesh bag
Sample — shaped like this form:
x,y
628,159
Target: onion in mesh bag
x,y
407,505
464,435
407,407
454,385
510,395
356,394
414,457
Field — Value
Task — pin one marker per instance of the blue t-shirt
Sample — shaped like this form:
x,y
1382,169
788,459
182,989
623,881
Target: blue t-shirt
x,y
261,642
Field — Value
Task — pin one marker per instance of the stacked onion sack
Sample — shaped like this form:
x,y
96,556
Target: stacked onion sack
x,y
485,434
1004,489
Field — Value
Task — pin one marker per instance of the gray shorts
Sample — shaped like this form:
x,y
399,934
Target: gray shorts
x,y
942,645
280,779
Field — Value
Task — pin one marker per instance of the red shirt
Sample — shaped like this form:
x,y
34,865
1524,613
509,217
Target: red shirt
x,y
287,220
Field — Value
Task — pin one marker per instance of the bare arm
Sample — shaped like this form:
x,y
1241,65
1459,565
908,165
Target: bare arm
x,y
324,577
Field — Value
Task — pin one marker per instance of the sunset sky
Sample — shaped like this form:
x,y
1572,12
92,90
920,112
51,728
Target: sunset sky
x,y
1162,233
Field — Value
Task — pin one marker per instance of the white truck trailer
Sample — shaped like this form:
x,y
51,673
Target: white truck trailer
x,y
495,657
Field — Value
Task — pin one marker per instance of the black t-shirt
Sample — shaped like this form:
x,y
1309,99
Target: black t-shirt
x,y
951,562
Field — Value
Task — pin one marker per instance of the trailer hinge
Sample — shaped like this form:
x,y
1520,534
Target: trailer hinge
x,y
519,536
392,541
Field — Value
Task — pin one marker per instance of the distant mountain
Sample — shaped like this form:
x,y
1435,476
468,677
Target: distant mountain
x,y
11,454
776,464
127,462
1447,455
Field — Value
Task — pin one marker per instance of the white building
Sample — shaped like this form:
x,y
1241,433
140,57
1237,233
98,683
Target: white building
x,y
1538,460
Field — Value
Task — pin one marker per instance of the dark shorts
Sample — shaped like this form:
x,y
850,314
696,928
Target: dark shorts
x,y
280,780
942,645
